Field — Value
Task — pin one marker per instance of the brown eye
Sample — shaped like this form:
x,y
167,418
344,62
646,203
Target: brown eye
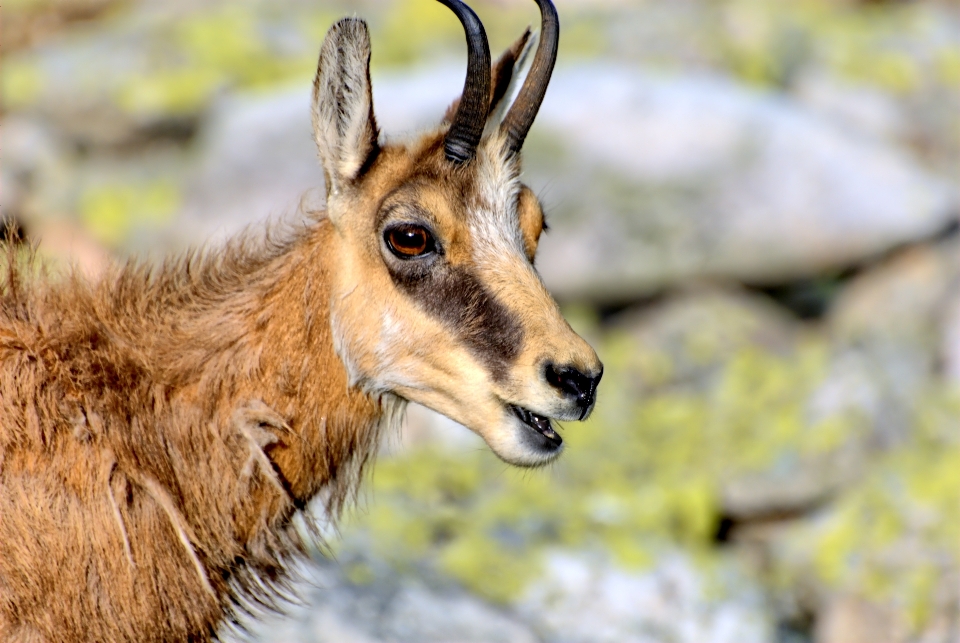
x,y
408,240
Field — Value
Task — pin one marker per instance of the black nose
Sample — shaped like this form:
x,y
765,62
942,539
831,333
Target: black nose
x,y
573,382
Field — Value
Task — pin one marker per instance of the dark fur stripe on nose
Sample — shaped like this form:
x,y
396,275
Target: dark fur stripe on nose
x,y
455,296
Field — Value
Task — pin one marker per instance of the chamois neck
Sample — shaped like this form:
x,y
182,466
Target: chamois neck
x,y
189,412
274,374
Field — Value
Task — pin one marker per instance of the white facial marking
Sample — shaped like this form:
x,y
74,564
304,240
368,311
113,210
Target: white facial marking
x,y
495,227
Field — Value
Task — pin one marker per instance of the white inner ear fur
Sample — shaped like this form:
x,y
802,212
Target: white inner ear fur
x,y
519,67
343,123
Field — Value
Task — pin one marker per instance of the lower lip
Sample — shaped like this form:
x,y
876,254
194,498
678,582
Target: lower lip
x,y
549,439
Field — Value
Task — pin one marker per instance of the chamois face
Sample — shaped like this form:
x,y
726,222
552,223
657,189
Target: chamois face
x,y
435,297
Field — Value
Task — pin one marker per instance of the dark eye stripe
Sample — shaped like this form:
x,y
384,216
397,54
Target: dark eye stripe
x,y
456,297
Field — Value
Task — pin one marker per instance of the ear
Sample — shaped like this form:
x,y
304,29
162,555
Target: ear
x,y
502,77
505,73
532,224
343,123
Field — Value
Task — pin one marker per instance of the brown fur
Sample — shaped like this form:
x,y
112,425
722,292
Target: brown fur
x,y
159,431
162,428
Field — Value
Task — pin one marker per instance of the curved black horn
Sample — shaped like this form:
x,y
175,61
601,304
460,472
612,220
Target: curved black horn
x,y
467,127
518,120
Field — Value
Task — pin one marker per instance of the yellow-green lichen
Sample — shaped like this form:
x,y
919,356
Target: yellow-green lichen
x,y
111,211
640,475
764,41
893,537
21,83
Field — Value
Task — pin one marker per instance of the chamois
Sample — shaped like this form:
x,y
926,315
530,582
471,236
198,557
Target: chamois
x,y
161,428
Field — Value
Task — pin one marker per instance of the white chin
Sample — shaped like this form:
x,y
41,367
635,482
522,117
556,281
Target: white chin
x,y
521,445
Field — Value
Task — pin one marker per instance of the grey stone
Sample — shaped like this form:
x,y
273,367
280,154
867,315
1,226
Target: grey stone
x,y
382,605
895,322
951,340
902,299
660,179
582,600
257,160
33,157
257,157
695,331
859,109
649,181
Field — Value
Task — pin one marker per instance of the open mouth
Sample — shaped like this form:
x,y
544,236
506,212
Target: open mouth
x,y
539,424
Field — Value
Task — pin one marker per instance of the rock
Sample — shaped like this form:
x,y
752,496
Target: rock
x,y
650,181
851,619
581,600
361,601
421,614
654,180
895,319
857,108
150,72
257,160
901,299
421,427
951,340
688,337
827,403
33,175
258,157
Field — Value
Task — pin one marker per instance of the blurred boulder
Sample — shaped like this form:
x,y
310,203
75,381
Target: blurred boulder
x,y
83,105
852,619
648,181
257,157
652,180
951,340
580,600
256,160
34,172
806,411
363,601
858,109
687,337
905,298
895,320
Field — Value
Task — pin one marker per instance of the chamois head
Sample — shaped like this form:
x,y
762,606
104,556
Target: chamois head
x,y
435,297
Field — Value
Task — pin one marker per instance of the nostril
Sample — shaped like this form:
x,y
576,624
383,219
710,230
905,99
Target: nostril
x,y
571,381
555,378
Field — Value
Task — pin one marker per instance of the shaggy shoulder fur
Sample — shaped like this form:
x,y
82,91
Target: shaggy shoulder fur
x,y
159,431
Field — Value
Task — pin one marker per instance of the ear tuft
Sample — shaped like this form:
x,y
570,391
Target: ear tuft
x,y
343,123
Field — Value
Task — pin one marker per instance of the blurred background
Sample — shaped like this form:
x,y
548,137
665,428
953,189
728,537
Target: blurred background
x,y
753,210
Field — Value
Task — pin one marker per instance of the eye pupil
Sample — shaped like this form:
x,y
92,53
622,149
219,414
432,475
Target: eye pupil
x,y
409,240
